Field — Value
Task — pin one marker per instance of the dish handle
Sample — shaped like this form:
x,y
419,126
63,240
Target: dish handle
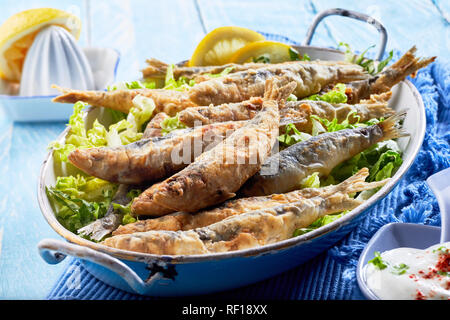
x,y
54,251
354,15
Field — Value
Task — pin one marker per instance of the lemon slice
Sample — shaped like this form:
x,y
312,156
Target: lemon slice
x,y
219,45
18,32
263,51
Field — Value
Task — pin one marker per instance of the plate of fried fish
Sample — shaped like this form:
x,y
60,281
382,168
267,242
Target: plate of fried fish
x,y
196,179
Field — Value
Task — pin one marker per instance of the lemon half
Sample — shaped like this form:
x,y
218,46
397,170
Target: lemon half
x,y
219,45
18,32
275,52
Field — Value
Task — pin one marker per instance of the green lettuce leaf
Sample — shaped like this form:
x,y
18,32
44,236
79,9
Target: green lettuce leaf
x,y
123,132
335,95
126,210
221,74
132,85
78,136
86,188
311,181
182,84
292,136
80,200
295,55
319,223
170,124
382,160
371,66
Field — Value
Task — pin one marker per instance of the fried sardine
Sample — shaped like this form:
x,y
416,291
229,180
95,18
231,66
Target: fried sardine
x,y
250,229
218,173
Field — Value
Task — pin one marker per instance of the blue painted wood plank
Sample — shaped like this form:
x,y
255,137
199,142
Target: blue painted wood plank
x,y
23,274
408,23
166,30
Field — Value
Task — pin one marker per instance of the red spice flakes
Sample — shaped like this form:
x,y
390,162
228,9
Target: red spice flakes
x,y
419,295
441,267
443,264
447,286
414,277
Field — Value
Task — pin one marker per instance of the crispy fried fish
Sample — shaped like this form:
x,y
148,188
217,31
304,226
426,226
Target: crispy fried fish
x,y
167,101
297,112
407,65
250,229
237,111
284,171
218,173
310,77
151,159
186,221
157,69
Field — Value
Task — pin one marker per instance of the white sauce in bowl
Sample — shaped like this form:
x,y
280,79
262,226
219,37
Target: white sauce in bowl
x,y
411,274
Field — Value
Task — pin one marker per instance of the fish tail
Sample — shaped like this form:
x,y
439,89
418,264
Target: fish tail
x,y
339,202
155,68
407,65
356,183
69,96
378,98
379,110
274,90
390,126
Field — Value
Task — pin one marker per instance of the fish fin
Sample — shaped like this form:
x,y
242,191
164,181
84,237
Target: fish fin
x,y
377,98
340,202
390,126
379,110
275,91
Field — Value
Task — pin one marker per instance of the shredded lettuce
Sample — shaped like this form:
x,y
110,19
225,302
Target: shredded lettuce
x,y
126,210
319,223
80,200
123,132
182,84
78,136
132,85
382,160
371,66
292,136
311,181
333,125
221,74
295,55
86,188
130,129
335,95
170,124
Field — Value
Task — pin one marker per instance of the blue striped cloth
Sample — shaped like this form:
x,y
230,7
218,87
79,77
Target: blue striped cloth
x,y
330,275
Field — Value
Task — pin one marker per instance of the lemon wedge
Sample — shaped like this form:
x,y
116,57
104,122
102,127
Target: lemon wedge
x,y
217,47
263,51
18,32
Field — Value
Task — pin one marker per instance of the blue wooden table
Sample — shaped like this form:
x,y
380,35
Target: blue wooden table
x,y
170,30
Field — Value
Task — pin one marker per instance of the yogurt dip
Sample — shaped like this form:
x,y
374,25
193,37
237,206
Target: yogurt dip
x,y
410,274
